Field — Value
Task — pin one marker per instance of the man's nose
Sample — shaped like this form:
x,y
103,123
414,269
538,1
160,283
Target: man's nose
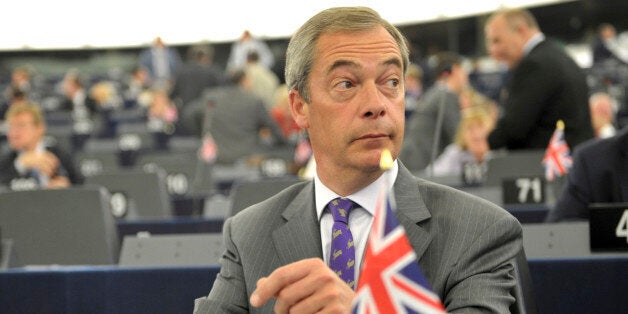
x,y
374,105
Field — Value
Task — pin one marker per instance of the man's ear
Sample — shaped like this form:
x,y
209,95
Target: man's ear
x,y
300,109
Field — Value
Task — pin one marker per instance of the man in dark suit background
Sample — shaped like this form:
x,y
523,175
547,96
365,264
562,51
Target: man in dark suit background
x,y
30,163
545,85
196,75
599,175
345,70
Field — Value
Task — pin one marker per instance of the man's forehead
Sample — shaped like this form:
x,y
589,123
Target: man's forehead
x,y
22,117
337,53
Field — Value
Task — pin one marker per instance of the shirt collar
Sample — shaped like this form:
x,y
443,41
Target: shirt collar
x,y
366,198
533,42
39,148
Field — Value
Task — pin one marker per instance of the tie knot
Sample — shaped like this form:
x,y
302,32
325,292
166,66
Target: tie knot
x,y
340,208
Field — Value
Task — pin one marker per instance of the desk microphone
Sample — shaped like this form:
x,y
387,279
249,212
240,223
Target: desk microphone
x,y
437,130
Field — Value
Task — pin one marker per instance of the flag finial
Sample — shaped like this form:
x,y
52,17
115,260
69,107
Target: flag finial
x,y
560,125
386,161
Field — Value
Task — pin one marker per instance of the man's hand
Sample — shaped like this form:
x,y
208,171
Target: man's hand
x,y
306,286
44,162
58,182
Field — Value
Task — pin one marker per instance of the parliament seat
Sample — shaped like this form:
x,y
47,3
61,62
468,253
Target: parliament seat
x,y
525,163
202,249
71,226
247,193
136,193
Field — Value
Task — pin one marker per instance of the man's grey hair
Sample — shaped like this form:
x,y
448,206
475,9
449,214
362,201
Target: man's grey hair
x,y
301,50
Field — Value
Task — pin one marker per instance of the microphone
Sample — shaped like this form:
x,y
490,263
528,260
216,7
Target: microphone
x,y
437,130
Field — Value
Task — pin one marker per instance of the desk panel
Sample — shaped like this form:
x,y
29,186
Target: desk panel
x,y
176,225
581,285
578,285
104,289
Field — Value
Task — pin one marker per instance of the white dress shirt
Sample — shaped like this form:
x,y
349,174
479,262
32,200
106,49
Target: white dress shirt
x,y
360,219
22,170
533,42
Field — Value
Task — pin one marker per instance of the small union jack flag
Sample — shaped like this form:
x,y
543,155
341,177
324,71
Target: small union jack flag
x,y
391,280
303,151
557,160
208,151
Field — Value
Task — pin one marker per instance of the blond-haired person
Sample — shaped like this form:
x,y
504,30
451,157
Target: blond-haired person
x,y
30,163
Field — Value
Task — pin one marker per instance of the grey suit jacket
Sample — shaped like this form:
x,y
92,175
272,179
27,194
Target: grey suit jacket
x,y
464,245
419,139
235,119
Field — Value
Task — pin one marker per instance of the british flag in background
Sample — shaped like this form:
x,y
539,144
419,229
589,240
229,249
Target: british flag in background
x,y
557,160
391,280
208,151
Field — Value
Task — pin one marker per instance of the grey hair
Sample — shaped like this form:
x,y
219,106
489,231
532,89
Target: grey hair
x,y
301,50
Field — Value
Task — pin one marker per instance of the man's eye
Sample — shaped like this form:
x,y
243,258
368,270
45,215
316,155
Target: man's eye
x,y
344,85
393,82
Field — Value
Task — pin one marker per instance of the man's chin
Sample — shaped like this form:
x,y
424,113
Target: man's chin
x,y
371,159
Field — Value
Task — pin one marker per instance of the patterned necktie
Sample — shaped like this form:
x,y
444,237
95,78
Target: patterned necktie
x,y
342,257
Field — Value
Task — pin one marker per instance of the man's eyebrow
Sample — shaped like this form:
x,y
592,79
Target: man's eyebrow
x,y
340,63
394,61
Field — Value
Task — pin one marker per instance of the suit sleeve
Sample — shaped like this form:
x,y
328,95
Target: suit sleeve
x,y
483,277
7,169
69,166
532,85
228,295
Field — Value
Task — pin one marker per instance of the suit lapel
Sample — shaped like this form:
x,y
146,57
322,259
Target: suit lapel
x,y
299,237
411,210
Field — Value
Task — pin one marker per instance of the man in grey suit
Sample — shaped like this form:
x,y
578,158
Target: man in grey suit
x,y
433,125
345,70
235,117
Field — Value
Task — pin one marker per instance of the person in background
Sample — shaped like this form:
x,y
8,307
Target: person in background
x,y
105,96
77,100
345,69
282,114
162,108
603,109
470,145
414,88
433,124
263,81
607,47
20,84
137,89
29,163
241,48
599,175
234,116
162,63
196,75
545,85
